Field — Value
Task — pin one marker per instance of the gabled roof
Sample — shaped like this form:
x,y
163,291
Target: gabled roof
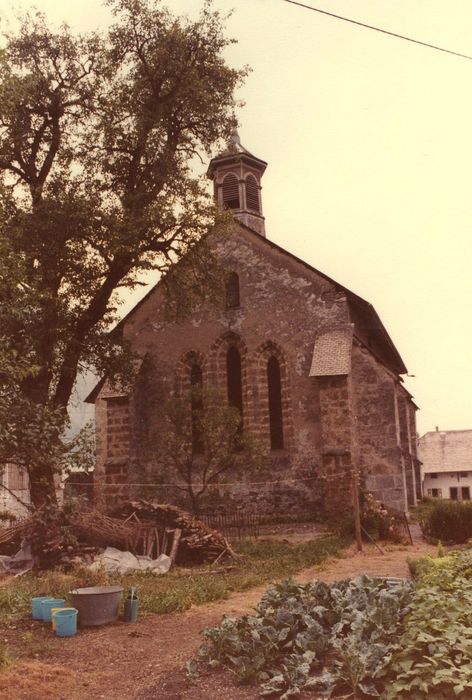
x,y
366,314
446,450
364,308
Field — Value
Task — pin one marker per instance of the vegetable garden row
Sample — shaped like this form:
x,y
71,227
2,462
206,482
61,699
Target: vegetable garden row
x,y
361,638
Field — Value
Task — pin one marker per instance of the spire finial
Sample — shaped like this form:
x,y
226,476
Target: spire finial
x,y
234,140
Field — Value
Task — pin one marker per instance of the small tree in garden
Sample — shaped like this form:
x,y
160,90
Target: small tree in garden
x,y
200,442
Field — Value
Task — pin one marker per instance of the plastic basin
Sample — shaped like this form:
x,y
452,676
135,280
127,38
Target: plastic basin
x,y
97,605
47,606
65,622
37,606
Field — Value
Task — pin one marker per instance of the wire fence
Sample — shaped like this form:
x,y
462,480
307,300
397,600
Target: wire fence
x,y
238,525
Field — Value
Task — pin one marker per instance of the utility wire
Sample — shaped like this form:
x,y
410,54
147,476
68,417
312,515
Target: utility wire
x,y
378,29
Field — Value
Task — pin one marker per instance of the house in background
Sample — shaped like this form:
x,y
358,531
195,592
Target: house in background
x,y
14,489
447,464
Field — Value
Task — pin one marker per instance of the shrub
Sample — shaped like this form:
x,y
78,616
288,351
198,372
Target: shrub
x,y
433,658
380,522
448,521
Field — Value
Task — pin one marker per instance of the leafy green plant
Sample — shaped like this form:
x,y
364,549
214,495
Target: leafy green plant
x,y
448,521
377,520
433,656
326,637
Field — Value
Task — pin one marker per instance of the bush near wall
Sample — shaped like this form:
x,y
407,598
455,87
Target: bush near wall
x,y
448,521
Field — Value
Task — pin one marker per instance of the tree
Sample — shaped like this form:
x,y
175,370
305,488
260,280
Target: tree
x,y
97,135
199,441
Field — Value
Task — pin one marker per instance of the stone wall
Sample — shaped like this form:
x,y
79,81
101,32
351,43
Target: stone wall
x,y
329,424
384,430
113,450
282,307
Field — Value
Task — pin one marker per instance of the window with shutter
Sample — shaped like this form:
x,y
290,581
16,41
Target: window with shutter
x,y
231,191
252,193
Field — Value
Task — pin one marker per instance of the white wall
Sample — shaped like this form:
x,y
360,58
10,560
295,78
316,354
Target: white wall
x,y
446,480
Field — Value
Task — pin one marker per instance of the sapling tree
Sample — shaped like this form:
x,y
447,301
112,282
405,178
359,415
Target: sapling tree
x,y
199,441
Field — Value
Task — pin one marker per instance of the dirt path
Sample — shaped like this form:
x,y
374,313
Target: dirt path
x,y
142,662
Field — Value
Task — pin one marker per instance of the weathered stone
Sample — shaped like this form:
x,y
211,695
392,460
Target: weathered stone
x,y
332,425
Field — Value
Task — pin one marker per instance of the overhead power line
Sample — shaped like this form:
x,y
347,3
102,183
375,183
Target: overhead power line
x,y
378,29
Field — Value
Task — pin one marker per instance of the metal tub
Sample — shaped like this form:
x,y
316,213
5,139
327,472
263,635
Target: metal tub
x,y
97,605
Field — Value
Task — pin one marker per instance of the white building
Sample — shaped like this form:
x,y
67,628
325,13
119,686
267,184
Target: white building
x,y
447,464
14,490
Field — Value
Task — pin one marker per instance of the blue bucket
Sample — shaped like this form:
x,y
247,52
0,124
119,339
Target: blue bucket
x,y
66,622
50,603
37,606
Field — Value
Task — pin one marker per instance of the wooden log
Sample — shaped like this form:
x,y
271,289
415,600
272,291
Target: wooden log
x,y
150,544
175,544
165,543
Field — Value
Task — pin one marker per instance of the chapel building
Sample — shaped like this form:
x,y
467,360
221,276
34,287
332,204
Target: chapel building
x,y
308,363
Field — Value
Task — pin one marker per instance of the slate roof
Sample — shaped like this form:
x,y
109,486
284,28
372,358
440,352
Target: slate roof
x,y
446,451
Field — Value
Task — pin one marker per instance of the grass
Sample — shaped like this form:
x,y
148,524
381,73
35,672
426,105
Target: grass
x,y
176,591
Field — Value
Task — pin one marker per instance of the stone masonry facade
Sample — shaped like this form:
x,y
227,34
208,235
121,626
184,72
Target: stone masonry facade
x,y
340,413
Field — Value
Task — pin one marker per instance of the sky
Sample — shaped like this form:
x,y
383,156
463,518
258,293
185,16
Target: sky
x,y
369,145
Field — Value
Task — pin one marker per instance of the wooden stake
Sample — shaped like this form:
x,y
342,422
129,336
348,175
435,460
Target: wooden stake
x,y
150,543
175,544
165,540
357,510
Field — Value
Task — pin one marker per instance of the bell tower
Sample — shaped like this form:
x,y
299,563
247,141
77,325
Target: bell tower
x,y
236,176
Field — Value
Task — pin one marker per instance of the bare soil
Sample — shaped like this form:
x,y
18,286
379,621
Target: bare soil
x,y
144,661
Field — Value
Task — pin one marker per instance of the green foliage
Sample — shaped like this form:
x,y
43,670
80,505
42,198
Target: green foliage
x,y
359,639
377,520
448,521
97,135
203,417
180,588
433,657
329,638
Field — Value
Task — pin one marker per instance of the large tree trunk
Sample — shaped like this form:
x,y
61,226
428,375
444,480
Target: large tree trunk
x,y
42,488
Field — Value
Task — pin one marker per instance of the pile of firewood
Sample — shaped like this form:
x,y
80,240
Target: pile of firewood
x,y
60,539
99,529
198,543
52,539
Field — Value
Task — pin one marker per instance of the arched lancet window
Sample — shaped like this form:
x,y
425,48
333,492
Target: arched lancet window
x,y
196,386
275,404
231,191
252,193
234,379
232,291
